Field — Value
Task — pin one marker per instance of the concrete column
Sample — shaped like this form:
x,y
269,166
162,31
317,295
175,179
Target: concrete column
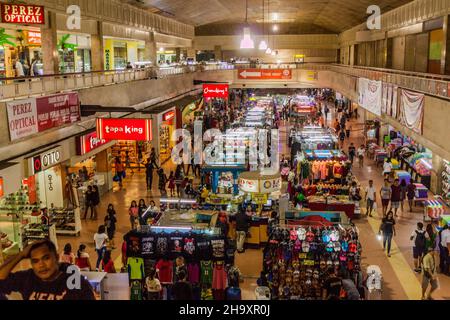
x,y
218,53
97,50
352,55
150,52
191,53
49,43
445,56
178,54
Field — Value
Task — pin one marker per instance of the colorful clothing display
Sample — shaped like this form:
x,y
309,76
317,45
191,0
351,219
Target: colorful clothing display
x,y
219,280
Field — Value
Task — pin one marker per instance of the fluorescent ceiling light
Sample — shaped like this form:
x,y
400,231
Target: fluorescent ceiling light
x,y
247,42
161,49
263,45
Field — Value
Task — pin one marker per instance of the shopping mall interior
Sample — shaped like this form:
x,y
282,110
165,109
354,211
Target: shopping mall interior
x,y
225,150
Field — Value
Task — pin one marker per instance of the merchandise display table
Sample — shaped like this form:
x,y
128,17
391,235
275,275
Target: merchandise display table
x,y
335,203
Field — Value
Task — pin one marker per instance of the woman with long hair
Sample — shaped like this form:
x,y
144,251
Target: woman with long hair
x,y
108,263
133,211
67,256
110,223
100,241
82,259
388,229
142,207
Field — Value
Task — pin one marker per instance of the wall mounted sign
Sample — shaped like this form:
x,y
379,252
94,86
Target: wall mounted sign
x,y
46,160
212,90
89,142
30,116
168,116
124,129
34,38
22,14
265,74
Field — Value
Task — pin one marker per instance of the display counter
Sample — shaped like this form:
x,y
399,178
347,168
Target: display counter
x,y
304,216
335,203
258,236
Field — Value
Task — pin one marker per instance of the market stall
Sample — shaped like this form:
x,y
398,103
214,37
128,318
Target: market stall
x,y
224,177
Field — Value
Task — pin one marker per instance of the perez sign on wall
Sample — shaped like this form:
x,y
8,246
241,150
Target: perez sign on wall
x,y
22,14
29,116
124,129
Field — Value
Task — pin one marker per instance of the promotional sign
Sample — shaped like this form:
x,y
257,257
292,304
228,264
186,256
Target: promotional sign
x,y
22,14
34,38
89,142
124,129
22,118
215,90
271,185
168,116
1,187
260,198
248,185
265,74
30,116
46,160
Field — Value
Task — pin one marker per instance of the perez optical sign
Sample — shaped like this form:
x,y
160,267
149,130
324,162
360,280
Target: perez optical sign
x,y
22,14
215,91
124,129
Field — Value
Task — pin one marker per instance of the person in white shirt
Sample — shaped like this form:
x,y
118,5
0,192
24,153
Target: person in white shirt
x,y
100,239
370,197
387,168
19,69
360,152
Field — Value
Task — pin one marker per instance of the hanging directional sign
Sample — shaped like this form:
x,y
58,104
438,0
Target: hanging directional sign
x,y
264,74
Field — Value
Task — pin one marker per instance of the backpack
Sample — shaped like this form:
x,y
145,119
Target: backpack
x,y
420,240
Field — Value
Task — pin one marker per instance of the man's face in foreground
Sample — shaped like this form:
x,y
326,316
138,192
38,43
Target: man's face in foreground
x,y
44,263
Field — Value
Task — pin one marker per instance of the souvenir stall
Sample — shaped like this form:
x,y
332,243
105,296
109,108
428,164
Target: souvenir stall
x,y
297,259
224,177
436,210
419,165
372,132
261,193
207,255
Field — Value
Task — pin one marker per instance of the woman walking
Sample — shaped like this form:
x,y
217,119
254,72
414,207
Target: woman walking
x,y
119,171
162,182
110,223
388,229
142,207
82,259
100,240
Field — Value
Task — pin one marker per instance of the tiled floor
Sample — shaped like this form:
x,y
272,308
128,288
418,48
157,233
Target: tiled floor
x,y
399,281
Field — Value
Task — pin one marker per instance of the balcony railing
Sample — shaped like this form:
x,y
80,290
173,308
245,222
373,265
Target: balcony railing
x,y
10,88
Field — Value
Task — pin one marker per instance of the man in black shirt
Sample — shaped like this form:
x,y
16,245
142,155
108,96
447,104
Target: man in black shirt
x,y
46,280
182,289
242,226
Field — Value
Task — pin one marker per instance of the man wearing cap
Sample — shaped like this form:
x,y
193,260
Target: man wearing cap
x,y
429,274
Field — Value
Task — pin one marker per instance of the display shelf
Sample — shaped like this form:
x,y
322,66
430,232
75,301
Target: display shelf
x,y
67,222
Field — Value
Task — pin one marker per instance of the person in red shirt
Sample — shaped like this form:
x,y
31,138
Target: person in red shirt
x,y
108,263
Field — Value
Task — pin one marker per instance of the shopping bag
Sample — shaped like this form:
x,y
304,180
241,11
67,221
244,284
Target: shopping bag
x,y
116,178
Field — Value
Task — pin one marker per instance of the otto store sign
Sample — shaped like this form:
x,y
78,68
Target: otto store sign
x,y
30,116
22,14
46,160
89,142
215,91
124,129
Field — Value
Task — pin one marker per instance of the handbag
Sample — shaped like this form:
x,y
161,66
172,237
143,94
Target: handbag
x,y
124,174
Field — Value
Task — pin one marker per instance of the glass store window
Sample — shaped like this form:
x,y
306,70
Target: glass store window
x,y
120,55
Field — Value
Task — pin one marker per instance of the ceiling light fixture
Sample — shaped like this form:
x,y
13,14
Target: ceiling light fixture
x,y
269,51
263,44
247,41
275,27
161,49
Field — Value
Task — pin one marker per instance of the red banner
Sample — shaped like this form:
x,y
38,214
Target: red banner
x,y
89,142
212,90
57,110
124,129
22,14
265,74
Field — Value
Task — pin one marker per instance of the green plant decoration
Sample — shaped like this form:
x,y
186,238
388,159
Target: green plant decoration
x,y
4,39
63,44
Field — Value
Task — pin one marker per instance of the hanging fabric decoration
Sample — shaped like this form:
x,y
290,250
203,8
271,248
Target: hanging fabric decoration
x,y
412,110
370,95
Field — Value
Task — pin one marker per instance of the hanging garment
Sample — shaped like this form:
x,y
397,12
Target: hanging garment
x,y
136,268
206,272
219,281
193,272
338,170
323,170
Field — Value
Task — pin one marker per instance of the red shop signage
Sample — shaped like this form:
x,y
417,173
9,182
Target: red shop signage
x,y
22,14
124,129
264,74
215,90
89,142
168,116
33,115
57,110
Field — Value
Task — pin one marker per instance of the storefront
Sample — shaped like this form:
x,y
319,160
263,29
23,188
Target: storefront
x,y
166,57
20,38
74,52
118,52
